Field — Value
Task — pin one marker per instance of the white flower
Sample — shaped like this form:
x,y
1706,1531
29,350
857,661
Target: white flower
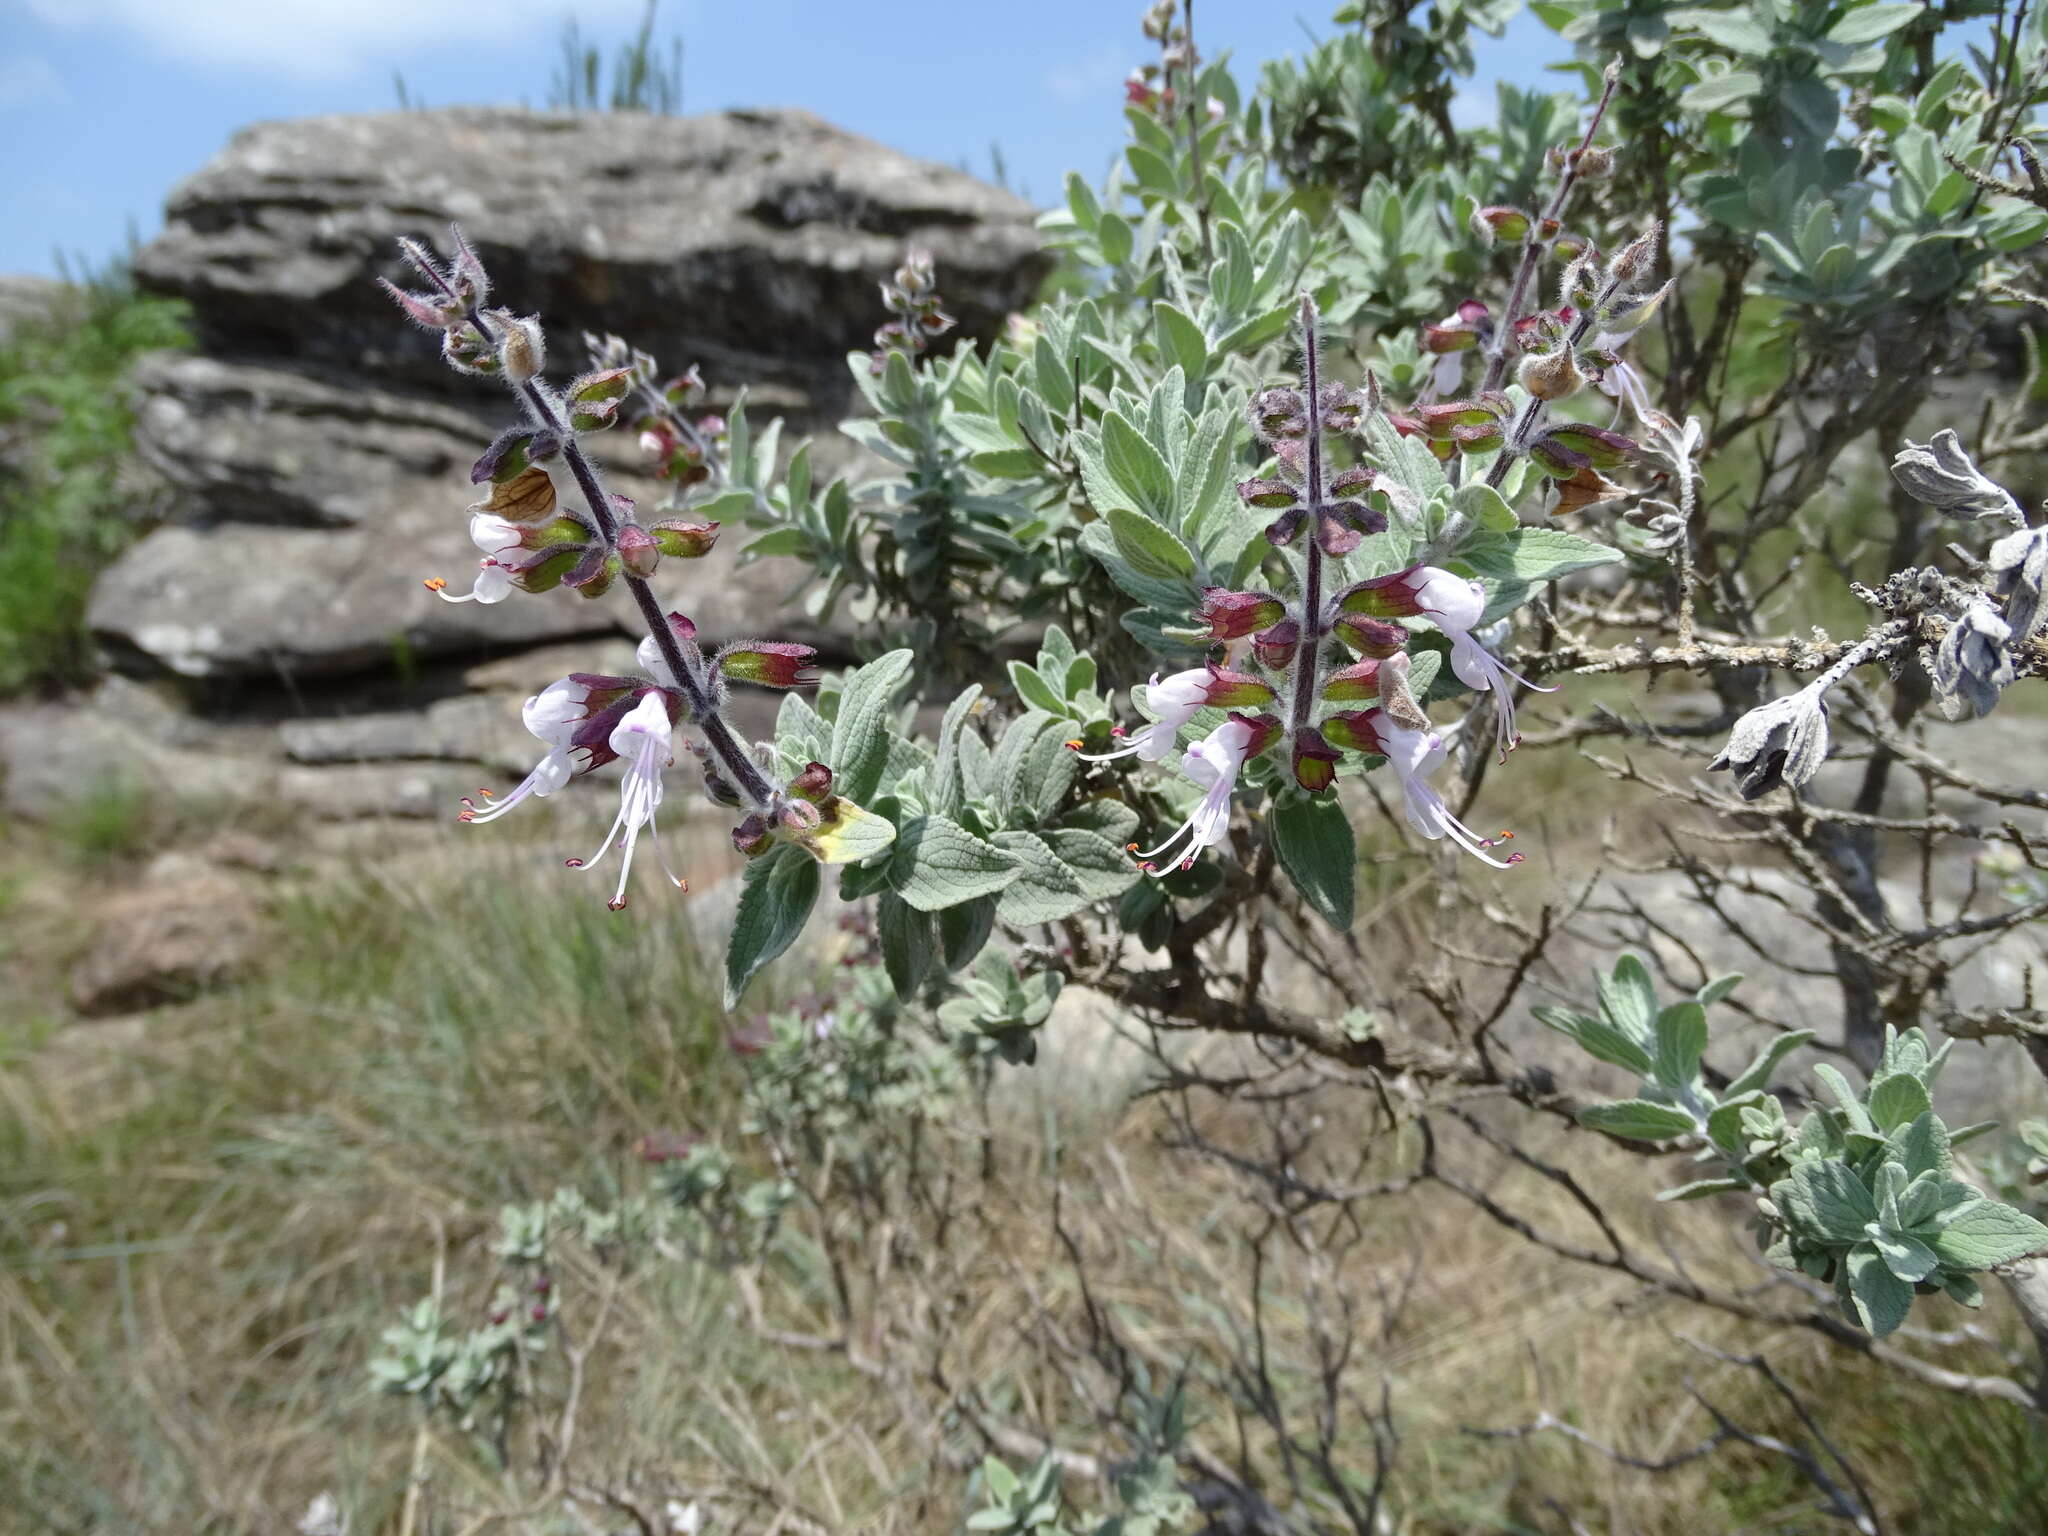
x,y
552,715
495,537
1213,764
1456,604
642,739
1414,755
1174,702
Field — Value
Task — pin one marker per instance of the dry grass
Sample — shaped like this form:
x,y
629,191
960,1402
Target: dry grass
x,y
208,1217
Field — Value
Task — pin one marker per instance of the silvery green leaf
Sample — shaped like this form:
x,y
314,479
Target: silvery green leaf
x,y
1638,1120
1681,1041
938,863
1985,1233
776,896
908,944
1629,1000
1596,1037
1700,1189
1879,1299
1045,890
1313,839
1896,1100
860,736
1827,1199
1922,1145
1758,1073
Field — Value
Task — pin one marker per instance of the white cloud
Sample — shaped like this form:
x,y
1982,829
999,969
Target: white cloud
x,y
311,39
30,80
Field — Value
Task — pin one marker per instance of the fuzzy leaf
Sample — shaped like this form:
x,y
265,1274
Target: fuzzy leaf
x,y
1897,1100
1313,838
1988,1233
1829,1199
908,946
1879,1298
860,736
1681,1041
938,863
1629,1000
1596,1037
776,897
1638,1120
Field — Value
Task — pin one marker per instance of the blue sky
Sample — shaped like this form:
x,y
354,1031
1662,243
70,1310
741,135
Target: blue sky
x,y
105,104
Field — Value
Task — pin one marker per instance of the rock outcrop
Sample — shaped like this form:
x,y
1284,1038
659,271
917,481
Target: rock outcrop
x,y
320,448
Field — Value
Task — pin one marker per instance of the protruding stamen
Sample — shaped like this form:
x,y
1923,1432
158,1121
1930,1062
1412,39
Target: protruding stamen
x,y
1075,744
436,583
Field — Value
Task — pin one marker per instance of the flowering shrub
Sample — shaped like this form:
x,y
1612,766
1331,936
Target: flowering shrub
x,y
1338,447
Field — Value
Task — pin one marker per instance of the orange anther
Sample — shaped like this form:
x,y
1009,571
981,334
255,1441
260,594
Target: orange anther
x,y
435,583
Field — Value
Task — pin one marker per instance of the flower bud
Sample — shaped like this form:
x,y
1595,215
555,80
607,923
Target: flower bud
x,y
813,784
1341,408
1633,262
1973,665
1397,696
1360,680
1943,476
1397,595
1278,413
1315,760
1225,689
1376,638
1353,731
1550,376
1782,743
770,663
639,551
752,837
684,540
522,346
1595,161
2019,568
1275,648
1233,615
1268,495
1499,223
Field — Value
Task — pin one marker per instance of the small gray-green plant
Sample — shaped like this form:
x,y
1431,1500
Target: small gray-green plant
x,y
1862,1194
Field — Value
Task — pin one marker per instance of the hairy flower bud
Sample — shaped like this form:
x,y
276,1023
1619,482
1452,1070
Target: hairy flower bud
x,y
1782,743
522,346
1594,161
1278,413
1397,695
1268,495
1633,261
1943,476
752,837
684,540
2019,566
1376,638
1233,615
1354,730
1550,375
770,663
1276,647
1360,680
1972,665
639,550
1499,223
1315,760
813,784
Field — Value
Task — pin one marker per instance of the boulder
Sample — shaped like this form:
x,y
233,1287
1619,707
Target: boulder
x,y
749,241
166,940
